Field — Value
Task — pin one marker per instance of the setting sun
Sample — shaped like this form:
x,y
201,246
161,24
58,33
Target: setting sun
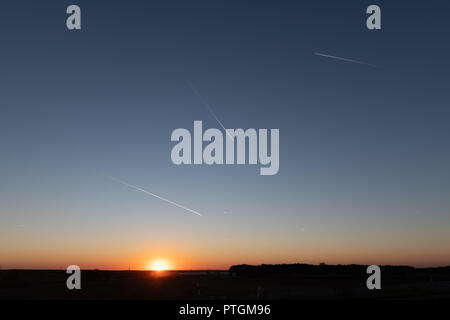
x,y
159,265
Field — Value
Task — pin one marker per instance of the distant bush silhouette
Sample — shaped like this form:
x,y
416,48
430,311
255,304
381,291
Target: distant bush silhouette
x,y
300,268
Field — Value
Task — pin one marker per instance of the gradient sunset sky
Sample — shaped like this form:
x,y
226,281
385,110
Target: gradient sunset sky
x,y
364,151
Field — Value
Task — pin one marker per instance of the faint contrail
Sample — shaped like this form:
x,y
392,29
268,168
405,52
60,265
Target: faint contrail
x,y
154,195
208,107
343,59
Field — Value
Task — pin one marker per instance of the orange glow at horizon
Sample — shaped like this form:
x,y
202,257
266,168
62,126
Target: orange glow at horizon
x,y
159,265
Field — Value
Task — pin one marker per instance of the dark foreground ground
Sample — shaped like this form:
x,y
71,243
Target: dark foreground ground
x,y
240,282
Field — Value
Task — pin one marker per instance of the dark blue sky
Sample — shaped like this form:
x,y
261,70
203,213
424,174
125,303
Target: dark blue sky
x,y
364,151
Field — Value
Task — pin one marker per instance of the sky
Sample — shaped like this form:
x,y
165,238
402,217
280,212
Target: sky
x,y
364,171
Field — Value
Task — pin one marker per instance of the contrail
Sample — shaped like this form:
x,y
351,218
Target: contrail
x,y
343,59
154,195
208,107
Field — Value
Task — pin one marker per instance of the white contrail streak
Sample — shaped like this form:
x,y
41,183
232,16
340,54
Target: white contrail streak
x,y
154,195
343,59
209,108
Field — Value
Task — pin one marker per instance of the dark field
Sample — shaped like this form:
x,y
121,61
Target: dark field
x,y
240,282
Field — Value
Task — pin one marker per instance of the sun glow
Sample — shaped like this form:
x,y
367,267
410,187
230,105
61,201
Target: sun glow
x,y
159,265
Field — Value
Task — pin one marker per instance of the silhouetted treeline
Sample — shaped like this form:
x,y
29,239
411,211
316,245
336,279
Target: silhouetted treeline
x,y
322,269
